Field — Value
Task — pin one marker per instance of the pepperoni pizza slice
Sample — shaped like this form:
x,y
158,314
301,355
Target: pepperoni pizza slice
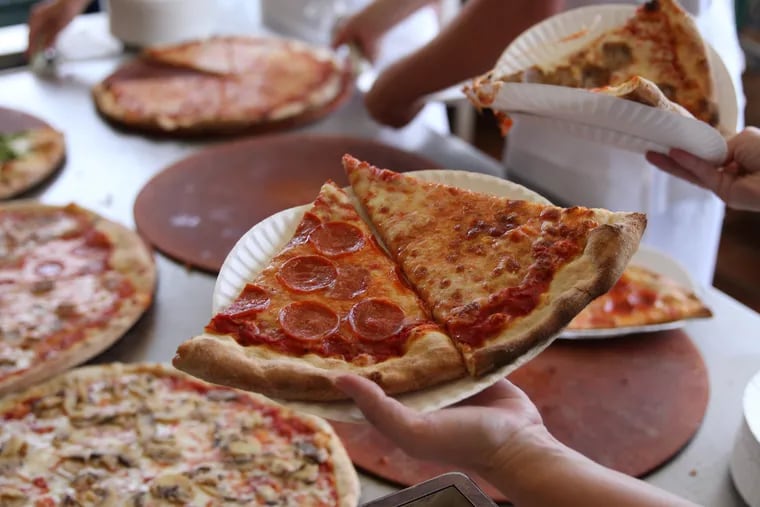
x,y
501,276
330,300
640,297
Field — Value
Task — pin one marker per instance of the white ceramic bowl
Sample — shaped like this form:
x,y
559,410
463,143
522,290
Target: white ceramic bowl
x,y
143,23
745,459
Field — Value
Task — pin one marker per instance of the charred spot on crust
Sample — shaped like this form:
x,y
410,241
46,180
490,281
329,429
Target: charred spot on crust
x,y
595,76
616,55
652,6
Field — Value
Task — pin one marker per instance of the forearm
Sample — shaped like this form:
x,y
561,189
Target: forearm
x,y
393,12
546,473
471,43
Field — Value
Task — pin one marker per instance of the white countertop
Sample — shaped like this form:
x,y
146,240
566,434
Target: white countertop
x,y
105,170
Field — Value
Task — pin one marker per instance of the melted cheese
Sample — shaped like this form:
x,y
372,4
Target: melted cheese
x,y
136,439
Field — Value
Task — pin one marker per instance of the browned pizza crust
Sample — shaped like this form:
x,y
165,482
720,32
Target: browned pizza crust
x,y
344,473
45,155
132,259
430,359
643,91
608,250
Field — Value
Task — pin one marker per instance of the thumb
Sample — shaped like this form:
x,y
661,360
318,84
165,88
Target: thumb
x,y
391,417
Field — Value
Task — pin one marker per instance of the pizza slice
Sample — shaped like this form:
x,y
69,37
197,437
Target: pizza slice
x,y
28,157
660,43
330,301
640,297
502,276
643,91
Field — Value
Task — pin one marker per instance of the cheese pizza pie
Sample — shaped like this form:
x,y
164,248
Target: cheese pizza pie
x,y
660,43
147,435
472,283
71,283
640,297
222,85
28,157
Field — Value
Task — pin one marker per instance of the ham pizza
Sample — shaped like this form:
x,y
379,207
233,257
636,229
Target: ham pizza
x,y
223,85
148,435
472,283
71,284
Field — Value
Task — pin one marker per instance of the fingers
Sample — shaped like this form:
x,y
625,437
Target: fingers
x,y
502,390
670,166
389,416
744,149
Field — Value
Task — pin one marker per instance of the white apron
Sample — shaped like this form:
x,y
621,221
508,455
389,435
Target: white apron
x,y
683,220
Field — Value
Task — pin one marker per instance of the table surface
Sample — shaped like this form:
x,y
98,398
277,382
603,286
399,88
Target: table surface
x,y
105,170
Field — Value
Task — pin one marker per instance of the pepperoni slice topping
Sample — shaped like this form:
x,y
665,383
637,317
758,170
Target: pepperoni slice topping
x,y
307,273
308,320
309,222
251,300
337,238
376,319
352,282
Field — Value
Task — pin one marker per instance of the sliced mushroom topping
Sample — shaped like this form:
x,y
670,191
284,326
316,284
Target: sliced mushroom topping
x,y
174,488
282,467
243,451
206,479
309,450
14,447
12,497
69,501
85,480
137,500
164,451
308,473
267,494
174,411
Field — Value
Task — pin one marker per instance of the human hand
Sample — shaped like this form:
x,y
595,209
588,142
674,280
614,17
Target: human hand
x,y
488,431
388,101
736,181
47,19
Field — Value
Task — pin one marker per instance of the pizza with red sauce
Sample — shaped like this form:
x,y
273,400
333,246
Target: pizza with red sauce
x,y
499,275
147,435
640,297
331,300
71,283
472,283
222,85
659,43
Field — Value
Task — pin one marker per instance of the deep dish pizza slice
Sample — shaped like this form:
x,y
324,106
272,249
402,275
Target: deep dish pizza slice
x,y
660,43
640,297
330,301
501,276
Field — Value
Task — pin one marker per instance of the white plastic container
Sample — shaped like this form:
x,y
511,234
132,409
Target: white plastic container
x,y
745,459
150,22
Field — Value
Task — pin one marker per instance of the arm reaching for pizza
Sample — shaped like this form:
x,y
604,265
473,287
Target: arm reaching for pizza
x,y
365,28
736,182
499,434
469,45
48,18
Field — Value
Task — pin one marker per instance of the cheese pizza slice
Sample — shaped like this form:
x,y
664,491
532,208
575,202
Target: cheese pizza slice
x,y
660,43
502,276
640,297
330,301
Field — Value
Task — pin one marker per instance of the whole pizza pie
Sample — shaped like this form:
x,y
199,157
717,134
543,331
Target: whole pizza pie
x,y
27,157
472,282
223,85
71,283
148,435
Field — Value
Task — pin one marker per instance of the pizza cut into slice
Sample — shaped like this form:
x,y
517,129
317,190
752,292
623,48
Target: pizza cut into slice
x,y
330,301
640,297
660,43
502,276
27,158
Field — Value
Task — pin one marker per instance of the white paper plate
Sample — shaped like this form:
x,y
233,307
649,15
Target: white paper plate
x,y
262,242
659,262
745,458
543,44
